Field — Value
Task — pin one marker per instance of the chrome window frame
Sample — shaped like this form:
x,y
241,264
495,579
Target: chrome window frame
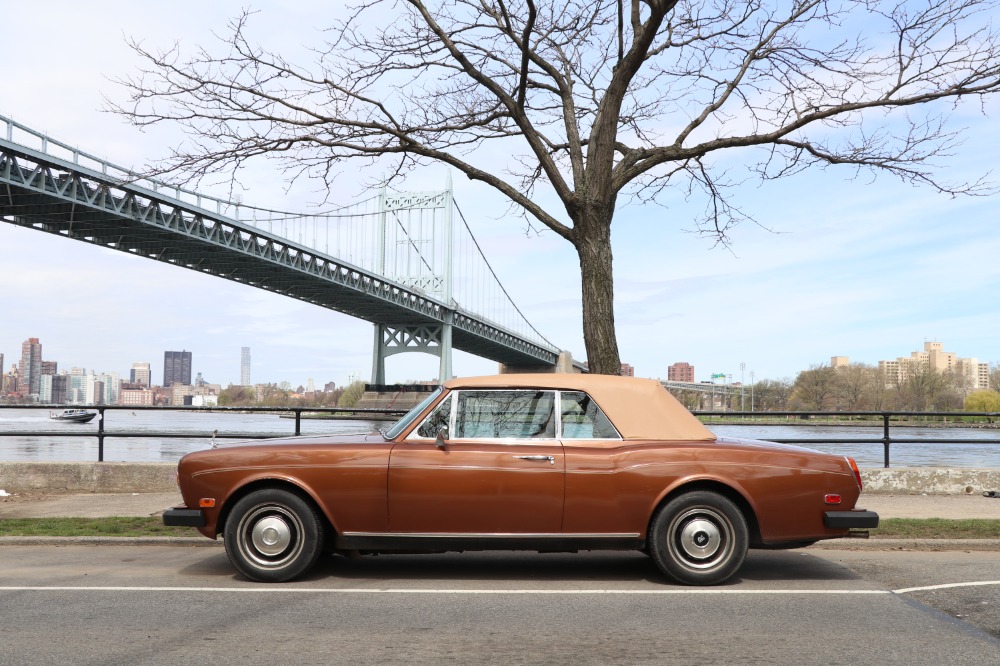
x,y
557,406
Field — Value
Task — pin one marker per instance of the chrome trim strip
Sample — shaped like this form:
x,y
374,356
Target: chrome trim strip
x,y
493,535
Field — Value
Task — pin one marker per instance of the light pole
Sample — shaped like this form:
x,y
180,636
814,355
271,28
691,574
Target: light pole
x,y
743,407
751,390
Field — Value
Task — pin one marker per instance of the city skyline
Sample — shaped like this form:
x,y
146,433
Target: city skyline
x,y
685,371
140,372
840,262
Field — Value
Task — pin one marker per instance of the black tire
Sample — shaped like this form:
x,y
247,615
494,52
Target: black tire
x,y
699,538
273,536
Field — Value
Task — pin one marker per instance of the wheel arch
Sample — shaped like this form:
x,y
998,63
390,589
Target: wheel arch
x,y
278,483
721,488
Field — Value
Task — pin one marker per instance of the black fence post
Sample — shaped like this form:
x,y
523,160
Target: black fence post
x,y
298,422
100,434
885,438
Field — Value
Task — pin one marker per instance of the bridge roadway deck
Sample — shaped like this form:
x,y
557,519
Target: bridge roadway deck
x,y
45,193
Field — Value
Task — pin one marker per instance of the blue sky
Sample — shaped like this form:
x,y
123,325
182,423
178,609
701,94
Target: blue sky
x,y
859,267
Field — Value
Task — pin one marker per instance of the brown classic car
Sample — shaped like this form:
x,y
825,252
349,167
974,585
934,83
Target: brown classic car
x,y
543,462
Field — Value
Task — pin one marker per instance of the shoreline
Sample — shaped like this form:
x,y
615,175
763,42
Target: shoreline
x,y
853,423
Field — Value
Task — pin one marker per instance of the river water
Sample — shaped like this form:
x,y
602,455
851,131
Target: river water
x,y
936,450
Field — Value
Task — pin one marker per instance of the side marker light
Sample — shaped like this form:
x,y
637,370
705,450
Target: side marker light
x,y
832,498
206,502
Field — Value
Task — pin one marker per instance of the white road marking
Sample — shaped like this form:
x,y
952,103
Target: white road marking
x,y
471,591
265,589
945,586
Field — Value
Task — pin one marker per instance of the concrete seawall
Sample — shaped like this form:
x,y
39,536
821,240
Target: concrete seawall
x,y
87,477
92,477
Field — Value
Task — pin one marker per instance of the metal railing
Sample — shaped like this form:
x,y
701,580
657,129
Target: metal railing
x,y
103,433
885,419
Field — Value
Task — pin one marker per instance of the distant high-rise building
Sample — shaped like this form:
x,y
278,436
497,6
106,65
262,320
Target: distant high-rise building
x,y
627,370
974,374
680,372
60,383
50,367
1,375
140,374
176,368
31,368
245,366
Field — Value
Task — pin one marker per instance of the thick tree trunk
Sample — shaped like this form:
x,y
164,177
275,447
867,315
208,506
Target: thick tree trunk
x,y
593,246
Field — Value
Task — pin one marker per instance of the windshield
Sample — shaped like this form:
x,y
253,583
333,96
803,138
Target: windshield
x,y
402,423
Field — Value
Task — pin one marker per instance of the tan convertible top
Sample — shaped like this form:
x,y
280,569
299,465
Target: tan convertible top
x,y
639,408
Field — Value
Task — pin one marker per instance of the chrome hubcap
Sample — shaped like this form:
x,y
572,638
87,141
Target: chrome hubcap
x,y
701,538
271,536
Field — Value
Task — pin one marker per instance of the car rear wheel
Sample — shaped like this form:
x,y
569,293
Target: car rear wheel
x,y
273,536
699,538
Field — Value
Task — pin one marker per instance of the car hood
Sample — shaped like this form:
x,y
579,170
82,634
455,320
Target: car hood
x,y
326,440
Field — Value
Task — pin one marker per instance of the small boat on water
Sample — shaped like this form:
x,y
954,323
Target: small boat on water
x,y
73,415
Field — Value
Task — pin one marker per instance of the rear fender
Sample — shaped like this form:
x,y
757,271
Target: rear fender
x,y
724,487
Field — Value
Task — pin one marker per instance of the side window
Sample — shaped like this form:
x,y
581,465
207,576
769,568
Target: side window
x,y
583,419
505,414
441,416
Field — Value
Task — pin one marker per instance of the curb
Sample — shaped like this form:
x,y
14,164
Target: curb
x,y
108,541
907,544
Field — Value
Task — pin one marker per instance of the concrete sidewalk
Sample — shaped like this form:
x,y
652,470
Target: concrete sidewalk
x,y
86,505
100,505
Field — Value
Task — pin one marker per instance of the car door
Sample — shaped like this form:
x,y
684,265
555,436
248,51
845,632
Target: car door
x,y
500,470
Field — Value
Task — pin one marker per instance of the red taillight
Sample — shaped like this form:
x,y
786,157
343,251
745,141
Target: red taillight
x,y
857,472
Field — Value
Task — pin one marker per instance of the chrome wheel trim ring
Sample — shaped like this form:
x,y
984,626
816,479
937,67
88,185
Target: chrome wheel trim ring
x,y
700,538
270,536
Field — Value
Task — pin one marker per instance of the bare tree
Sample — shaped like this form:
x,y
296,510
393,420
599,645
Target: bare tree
x,y
815,389
772,394
596,102
851,385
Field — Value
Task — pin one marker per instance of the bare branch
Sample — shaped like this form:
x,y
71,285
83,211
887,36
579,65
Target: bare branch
x,y
565,98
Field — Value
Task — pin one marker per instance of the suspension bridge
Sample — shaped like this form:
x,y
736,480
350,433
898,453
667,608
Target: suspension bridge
x,y
405,261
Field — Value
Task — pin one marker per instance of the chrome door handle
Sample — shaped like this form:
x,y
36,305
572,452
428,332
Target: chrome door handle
x,y
551,459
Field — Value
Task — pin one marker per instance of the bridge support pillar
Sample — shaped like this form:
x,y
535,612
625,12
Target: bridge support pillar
x,y
444,349
390,340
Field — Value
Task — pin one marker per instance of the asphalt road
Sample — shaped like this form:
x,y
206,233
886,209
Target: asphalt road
x,y
171,604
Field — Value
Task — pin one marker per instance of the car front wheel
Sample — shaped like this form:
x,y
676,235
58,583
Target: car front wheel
x,y
699,538
273,536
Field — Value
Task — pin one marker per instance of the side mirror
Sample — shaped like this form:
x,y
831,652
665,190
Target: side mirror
x,y
442,437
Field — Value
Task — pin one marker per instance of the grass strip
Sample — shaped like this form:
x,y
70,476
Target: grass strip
x,y
937,528
889,528
115,527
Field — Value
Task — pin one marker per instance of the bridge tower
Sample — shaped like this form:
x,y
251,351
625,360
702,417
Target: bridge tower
x,y
429,274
